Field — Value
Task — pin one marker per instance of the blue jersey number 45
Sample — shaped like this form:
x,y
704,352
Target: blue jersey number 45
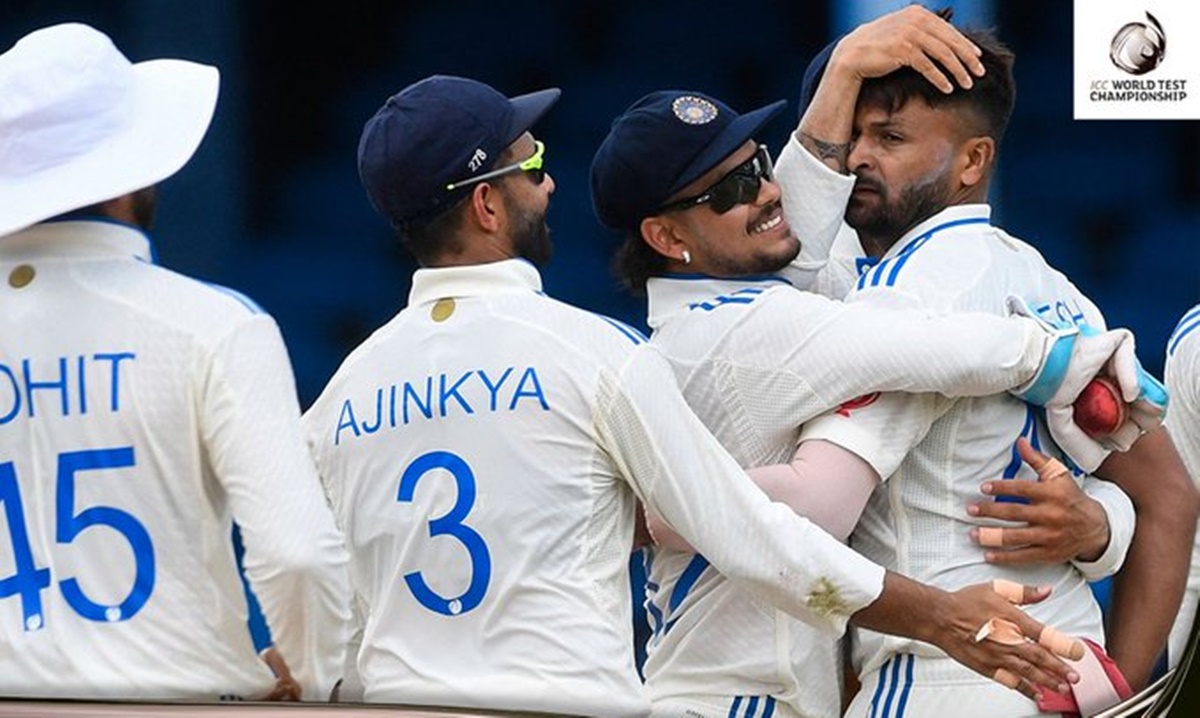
x,y
28,580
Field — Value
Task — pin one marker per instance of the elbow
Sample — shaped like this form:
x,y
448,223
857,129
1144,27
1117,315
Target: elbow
x,y
1175,506
1184,501
840,527
1192,504
304,561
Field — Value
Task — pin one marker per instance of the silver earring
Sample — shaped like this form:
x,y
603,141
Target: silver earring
x,y
687,257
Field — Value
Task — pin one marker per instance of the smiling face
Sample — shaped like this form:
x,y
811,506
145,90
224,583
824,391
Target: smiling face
x,y
747,239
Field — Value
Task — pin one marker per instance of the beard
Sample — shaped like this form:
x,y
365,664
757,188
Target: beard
x,y
885,221
765,261
757,264
531,234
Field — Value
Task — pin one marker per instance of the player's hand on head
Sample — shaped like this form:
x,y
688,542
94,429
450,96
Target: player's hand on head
x,y
911,37
986,631
1059,522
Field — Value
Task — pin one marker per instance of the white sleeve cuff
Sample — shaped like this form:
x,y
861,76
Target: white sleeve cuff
x,y
1121,522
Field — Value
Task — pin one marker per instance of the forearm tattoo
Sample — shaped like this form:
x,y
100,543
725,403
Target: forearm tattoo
x,y
823,151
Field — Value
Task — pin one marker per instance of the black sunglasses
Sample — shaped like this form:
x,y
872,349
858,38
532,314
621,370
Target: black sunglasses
x,y
739,186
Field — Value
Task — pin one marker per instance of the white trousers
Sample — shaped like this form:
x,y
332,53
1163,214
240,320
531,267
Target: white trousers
x,y
723,707
908,686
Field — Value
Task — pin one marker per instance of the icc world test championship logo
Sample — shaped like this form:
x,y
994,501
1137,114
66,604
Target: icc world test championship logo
x,y
1138,48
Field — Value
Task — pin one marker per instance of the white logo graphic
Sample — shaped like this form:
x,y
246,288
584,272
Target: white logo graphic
x,y
477,160
1138,48
694,110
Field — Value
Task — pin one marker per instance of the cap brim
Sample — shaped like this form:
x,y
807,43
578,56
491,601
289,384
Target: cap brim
x,y
745,127
528,109
173,105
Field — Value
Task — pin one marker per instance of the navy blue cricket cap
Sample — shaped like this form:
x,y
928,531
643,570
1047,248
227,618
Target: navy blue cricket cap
x,y
661,144
813,73
440,130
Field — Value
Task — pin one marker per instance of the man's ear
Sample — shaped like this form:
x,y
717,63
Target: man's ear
x,y
979,156
487,208
661,234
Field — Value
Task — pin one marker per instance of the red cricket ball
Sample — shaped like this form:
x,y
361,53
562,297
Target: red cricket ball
x,y
1100,410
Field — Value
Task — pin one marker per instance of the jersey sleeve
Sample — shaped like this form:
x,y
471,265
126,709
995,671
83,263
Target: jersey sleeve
x,y
965,354
295,559
679,471
1121,523
879,428
814,202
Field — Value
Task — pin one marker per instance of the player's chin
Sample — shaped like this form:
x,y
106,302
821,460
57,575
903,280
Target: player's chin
x,y
860,209
779,254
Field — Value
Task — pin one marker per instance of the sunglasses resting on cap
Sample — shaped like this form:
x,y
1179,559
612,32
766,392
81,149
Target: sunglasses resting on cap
x,y
532,166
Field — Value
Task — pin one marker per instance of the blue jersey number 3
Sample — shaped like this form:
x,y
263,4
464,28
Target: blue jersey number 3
x,y
451,524
28,580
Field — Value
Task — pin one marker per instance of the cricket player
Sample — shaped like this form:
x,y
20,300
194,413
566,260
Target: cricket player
x,y
706,227
485,451
755,359
141,412
1182,376
922,160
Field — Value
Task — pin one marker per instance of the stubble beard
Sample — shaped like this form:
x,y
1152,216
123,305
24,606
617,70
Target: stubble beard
x,y
754,265
881,225
531,235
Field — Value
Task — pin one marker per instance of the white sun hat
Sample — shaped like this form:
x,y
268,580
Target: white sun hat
x,y
80,124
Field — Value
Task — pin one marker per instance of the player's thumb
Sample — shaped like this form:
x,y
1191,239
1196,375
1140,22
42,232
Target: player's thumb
x,y
1124,364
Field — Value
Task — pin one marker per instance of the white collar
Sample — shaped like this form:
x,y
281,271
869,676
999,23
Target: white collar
x,y
952,215
505,277
671,294
79,239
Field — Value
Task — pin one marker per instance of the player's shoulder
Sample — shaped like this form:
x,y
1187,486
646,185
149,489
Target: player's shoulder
x,y
749,315
573,326
956,260
178,302
1185,338
744,293
947,265
703,302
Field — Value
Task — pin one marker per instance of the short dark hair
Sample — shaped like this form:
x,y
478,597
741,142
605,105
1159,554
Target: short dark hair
x,y
427,238
635,262
990,98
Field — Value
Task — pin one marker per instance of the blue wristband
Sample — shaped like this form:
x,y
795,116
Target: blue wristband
x,y
1054,370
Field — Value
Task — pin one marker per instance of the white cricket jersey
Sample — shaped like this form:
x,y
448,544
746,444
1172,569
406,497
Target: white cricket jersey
x,y
141,413
756,358
917,522
483,451
1182,375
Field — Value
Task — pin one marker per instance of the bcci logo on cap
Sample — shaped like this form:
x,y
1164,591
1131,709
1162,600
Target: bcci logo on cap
x,y
1138,48
694,110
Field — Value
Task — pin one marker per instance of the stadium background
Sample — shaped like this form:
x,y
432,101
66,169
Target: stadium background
x,y
271,204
